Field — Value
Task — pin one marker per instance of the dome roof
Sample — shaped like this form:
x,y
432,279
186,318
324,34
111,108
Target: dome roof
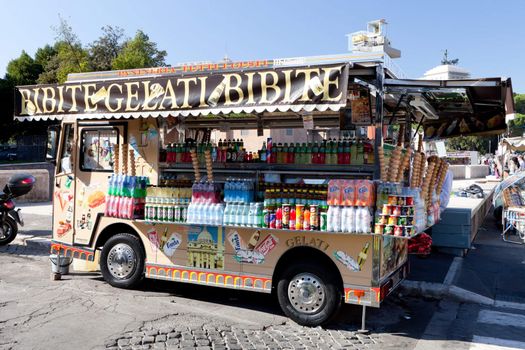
x,y
205,236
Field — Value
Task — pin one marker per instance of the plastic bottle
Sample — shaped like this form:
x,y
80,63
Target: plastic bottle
x,y
329,219
352,217
337,219
366,218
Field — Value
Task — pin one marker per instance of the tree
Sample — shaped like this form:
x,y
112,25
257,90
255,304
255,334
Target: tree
x,y
71,56
47,58
519,102
23,70
139,52
471,143
102,52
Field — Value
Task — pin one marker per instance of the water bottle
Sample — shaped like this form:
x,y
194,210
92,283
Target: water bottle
x,y
337,219
359,220
330,219
366,218
351,227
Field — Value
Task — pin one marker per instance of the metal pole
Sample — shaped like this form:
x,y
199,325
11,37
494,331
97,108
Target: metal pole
x,y
379,85
363,320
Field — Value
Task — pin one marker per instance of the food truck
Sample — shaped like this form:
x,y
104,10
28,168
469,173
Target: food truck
x,y
153,180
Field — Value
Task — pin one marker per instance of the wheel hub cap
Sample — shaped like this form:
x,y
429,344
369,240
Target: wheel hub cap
x,y
306,293
121,261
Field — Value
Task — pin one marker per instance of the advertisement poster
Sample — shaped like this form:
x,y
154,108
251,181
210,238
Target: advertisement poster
x,y
394,253
205,248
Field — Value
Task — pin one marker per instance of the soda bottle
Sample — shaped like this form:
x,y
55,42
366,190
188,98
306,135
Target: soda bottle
x,y
315,154
322,153
330,219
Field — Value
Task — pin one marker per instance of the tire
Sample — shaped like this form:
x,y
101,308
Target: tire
x,y
319,307
122,261
11,228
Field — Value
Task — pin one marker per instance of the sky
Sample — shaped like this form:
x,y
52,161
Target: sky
x,y
487,36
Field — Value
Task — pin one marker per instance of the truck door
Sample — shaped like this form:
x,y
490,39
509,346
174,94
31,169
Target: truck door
x,y
94,168
64,189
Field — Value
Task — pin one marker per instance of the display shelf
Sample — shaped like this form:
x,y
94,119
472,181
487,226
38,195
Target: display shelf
x,y
367,169
272,229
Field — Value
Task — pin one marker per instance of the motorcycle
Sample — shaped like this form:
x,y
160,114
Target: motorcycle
x,y
10,218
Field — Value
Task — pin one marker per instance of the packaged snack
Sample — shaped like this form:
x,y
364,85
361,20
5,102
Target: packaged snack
x,y
334,192
349,195
365,193
379,229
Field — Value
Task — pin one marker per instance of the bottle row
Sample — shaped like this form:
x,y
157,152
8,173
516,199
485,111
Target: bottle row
x,y
331,151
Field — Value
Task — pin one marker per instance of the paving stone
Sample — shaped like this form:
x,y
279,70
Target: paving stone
x,y
123,342
159,346
135,341
187,343
161,338
173,341
148,339
173,335
152,332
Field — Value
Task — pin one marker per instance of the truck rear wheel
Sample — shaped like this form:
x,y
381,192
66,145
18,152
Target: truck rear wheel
x,y
309,294
122,261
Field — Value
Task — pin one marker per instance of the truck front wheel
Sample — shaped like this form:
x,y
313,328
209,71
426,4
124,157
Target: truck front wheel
x,y
309,294
122,261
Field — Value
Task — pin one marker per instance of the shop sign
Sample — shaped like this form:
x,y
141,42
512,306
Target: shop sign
x,y
212,92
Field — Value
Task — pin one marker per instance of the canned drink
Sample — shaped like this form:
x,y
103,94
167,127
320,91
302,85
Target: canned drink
x,y
402,220
266,218
271,223
314,217
388,230
184,213
404,210
323,221
306,222
299,216
398,230
396,210
409,200
409,231
401,200
383,219
392,200
378,229
286,216
387,209
170,216
392,220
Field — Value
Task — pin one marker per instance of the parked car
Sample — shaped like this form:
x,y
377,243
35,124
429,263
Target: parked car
x,y
8,154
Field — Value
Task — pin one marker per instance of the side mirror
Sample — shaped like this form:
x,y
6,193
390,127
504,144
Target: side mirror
x,y
53,132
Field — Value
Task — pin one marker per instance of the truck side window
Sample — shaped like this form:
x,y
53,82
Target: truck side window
x,y
67,147
97,149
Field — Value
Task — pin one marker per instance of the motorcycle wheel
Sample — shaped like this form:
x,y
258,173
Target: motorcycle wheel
x,y
8,231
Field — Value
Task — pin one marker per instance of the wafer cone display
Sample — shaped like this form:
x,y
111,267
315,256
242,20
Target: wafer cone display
x,y
116,162
393,166
195,162
132,167
441,176
416,170
125,159
209,167
404,165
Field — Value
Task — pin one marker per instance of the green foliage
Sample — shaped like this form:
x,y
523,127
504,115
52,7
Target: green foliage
x,y
52,63
471,143
23,70
139,52
519,102
104,50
